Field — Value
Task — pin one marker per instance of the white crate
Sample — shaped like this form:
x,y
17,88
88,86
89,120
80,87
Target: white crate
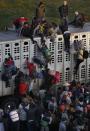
x,y
67,65
0,70
82,71
15,52
24,50
88,66
60,42
84,38
59,56
89,41
75,36
6,49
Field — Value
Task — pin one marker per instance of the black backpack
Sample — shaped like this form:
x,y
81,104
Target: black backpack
x,y
85,54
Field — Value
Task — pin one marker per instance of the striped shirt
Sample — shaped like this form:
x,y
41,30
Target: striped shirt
x,y
22,112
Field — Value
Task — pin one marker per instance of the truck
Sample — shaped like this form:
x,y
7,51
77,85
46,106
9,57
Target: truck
x,y
20,48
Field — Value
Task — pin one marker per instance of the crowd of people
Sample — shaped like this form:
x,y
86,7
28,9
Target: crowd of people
x,y
66,108
42,28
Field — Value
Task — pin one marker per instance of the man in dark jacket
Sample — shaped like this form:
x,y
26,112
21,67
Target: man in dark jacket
x,y
79,20
31,116
63,10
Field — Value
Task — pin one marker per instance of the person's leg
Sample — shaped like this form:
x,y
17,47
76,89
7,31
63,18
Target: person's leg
x,y
62,127
42,128
77,65
47,128
66,43
23,126
2,126
77,128
29,126
16,126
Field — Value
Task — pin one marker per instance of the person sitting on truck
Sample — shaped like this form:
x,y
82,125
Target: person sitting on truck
x,y
79,20
40,29
19,22
40,10
25,31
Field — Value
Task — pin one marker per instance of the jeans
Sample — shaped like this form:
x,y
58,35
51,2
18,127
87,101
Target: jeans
x,y
77,65
23,126
62,126
45,128
2,126
14,126
31,126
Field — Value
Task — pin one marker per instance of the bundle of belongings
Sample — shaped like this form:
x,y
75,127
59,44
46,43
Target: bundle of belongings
x,y
56,76
19,22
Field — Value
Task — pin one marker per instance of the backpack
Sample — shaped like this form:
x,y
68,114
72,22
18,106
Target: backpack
x,y
85,54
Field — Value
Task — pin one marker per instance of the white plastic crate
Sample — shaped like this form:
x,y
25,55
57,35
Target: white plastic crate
x,y
67,67
82,71
88,67
6,49
15,52
24,50
59,56
84,38
88,40
0,70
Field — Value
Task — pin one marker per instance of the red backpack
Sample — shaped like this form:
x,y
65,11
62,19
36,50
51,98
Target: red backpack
x,y
23,87
57,77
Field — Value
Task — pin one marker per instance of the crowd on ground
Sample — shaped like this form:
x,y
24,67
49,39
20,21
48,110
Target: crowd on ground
x,y
63,109
66,108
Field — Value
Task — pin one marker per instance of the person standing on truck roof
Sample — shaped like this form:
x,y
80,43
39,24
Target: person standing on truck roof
x,y
63,10
79,20
40,11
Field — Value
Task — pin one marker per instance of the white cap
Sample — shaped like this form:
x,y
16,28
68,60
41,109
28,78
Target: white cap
x,y
78,108
76,13
67,84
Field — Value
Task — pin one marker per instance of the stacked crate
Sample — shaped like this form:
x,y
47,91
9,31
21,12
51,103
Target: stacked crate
x,y
59,56
88,60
